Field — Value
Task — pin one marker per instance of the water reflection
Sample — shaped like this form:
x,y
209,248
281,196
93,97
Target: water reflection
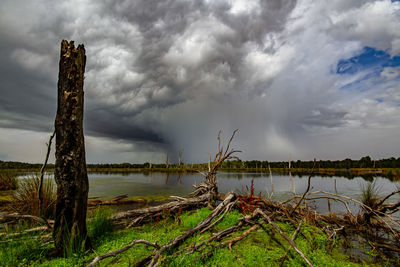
x,y
110,184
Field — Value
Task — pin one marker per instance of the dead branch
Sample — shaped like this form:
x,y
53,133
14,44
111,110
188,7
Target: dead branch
x,y
333,198
268,220
377,213
42,172
215,237
180,157
148,213
388,196
118,200
293,238
8,217
231,241
36,229
272,182
176,241
199,247
221,156
118,251
41,179
305,192
228,208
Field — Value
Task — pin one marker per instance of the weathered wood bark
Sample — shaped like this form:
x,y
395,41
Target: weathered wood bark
x,y
70,168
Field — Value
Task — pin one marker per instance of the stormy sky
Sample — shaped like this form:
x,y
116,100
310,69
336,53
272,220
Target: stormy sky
x,y
306,78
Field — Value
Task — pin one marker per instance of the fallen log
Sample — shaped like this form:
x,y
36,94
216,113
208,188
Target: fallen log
x,y
174,242
147,214
118,251
292,244
118,200
204,223
10,217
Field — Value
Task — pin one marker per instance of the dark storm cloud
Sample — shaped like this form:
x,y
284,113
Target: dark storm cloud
x,y
157,27
324,117
170,74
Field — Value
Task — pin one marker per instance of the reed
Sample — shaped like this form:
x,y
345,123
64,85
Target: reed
x,y
27,199
8,181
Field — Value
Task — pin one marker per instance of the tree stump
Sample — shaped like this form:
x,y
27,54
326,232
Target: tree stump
x,y
70,168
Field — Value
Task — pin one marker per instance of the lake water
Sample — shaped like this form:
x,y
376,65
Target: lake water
x,y
160,185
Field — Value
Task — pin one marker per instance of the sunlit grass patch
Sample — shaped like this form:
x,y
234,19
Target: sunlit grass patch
x,y
264,247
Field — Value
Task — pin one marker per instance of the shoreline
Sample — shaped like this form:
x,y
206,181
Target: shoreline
x,y
352,172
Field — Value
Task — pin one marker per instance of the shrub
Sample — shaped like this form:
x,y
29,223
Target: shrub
x,y
27,199
8,181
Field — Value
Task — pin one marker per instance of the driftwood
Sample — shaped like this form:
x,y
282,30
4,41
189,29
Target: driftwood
x,y
305,192
118,200
32,230
231,241
42,172
118,251
152,212
13,217
293,238
292,244
179,239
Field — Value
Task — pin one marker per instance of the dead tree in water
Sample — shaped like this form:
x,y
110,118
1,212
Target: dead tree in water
x,y
180,158
210,184
70,167
204,193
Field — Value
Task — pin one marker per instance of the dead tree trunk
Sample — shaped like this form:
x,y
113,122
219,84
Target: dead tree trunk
x,y
180,158
70,168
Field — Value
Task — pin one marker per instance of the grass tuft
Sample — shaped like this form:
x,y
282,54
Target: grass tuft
x,y
8,181
370,194
99,223
27,199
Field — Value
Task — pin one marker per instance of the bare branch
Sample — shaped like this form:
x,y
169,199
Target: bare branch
x,y
118,251
293,238
230,140
268,220
42,174
305,192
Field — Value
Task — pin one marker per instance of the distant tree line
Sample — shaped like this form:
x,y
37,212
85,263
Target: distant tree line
x,y
21,165
364,162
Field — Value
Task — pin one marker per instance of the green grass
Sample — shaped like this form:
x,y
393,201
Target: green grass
x,y
22,250
99,223
264,247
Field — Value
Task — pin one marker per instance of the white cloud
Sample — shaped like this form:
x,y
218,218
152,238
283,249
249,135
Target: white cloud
x,y
244,6
33,61
374,24
24,145
390,73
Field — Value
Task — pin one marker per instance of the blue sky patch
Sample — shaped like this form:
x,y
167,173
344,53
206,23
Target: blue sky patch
x,y
368,65
369,58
